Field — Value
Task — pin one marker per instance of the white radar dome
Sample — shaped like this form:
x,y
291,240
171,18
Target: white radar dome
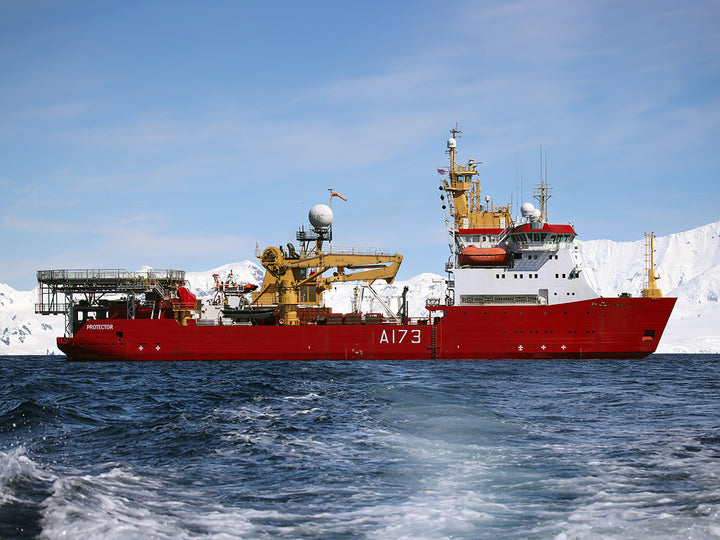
x,y
452,143
321,216
527,209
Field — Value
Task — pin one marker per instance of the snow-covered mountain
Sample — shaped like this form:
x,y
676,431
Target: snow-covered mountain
x,y
23,332
688,264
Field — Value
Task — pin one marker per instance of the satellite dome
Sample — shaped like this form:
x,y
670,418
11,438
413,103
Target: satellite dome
x,y
321,216
452,143
527,209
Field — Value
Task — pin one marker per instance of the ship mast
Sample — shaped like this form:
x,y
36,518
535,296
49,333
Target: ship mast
x,y
650,289
461,182
542,190
463,189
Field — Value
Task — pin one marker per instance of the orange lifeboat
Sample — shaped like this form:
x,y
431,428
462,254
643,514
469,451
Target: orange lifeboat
x,y
475,256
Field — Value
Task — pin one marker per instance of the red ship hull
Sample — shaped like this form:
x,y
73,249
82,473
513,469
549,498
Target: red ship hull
x,y
601,328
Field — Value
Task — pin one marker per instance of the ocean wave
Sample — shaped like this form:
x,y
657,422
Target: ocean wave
x,y
20,476
120,503
23,413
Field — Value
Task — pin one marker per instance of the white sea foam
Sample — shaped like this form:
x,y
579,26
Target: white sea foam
x,y
623,512
122,504
16,468
632,497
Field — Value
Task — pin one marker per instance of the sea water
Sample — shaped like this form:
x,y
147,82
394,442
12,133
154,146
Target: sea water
x,y
365,449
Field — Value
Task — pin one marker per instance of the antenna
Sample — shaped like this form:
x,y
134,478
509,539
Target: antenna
x,y
542,190
541,164
517,189
522,183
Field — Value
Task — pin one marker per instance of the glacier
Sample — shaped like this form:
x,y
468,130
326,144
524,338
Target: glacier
x,y
688,264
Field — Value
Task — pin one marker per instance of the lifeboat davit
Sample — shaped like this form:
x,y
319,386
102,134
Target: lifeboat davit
x,y
475,256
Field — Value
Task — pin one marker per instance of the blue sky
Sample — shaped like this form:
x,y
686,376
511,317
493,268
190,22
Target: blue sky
x,y
179,134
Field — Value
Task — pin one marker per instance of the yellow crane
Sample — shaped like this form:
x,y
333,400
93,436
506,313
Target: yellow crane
x,y
290,282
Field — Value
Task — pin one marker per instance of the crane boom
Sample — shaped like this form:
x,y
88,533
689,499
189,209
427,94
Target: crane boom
x,y
300,280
